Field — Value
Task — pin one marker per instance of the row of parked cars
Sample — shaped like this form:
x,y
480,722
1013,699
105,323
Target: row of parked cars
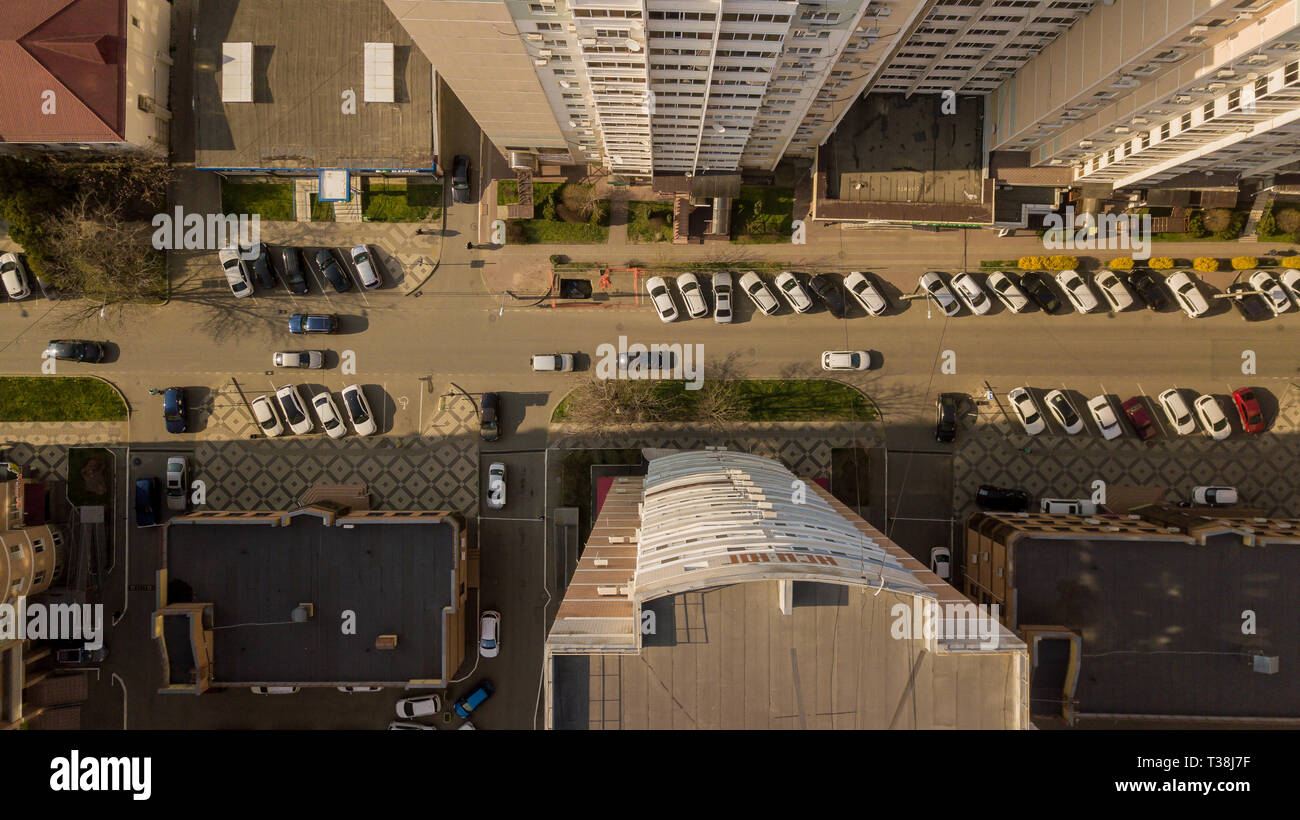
x,y
1001,499
292,406
246,267
1182,418
829,288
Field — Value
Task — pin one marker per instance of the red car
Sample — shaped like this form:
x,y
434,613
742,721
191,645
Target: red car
x,y
1252,418
1138,417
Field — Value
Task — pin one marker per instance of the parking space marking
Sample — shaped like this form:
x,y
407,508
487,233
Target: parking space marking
x,y
1156,410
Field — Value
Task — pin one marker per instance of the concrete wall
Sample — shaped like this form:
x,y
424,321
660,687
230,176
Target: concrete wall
x,y
148,71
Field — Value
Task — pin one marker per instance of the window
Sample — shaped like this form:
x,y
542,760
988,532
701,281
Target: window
x,y
38,545
40,576
542,7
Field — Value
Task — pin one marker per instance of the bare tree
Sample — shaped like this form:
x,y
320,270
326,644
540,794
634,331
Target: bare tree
x,y
581,199
600,404
719,404
96,254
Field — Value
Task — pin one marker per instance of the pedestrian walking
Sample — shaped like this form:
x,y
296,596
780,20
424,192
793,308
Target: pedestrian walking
x,y
469,246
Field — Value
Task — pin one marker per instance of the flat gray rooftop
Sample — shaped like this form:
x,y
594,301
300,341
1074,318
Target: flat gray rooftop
x,y
395,577
1161,622
306,53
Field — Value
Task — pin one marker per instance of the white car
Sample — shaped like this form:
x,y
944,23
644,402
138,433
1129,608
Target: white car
x,y
1212,417
941,562
1214,496
788,285
1008,292
496,485
939,294
552,362
365,265
1077,291
1188,296
866,293
310,359
846,360
722,297
274,690
1058,404
693,296
356,690
408,724
177,487
421,706
1177,412
489,634
760,293
662,298
328,413
1067,506
294,410
1114,291
236,276
1275,296
968,289
1104,417
1022,404
264,415
1291,281
358,410
14,276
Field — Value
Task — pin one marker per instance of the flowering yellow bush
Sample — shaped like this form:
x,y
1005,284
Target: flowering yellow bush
x,y
1291,262
1031,263
1062,263
1121,263
1244,263
1160,263
1205,264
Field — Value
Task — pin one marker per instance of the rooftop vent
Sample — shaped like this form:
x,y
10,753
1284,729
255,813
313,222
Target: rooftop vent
x,y
237,72
379,72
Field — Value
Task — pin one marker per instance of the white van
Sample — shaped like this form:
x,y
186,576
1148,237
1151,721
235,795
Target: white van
x,y
547,362
14,277
1067,506
1214,496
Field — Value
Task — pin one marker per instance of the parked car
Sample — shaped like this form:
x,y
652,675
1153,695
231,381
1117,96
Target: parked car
x,y
968,289
1008,291
174,409
1035,283
1216,496
236,276
861,287
692,296
14,275
421,706
722,297
267,420
939,294
1150,288
460,178
1248,303
1113,290
359,690
1252,417
1077,291
358,410
846,360
274,690
496,485
1022,404
177,486
1067,506
75,350
309,359
313,323
551,362
1138,417
328,414
1058,404
292,270
1177,412
1188,295
945,427
941,562
662,298
989,497
408,725
489,426
489,634
257,264
364,263
474,699
646,360
329,268
828,288
788,285
148,501
760,293
1275,296
80,656
1103,415
294,410
1291,281
1212,417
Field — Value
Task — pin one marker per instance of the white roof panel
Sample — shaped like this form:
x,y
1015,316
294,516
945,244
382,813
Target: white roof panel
x,y
379,72
236,72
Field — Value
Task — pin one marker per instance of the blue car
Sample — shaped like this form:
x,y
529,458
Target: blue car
x,y
174,409
313,323
474,699
148,501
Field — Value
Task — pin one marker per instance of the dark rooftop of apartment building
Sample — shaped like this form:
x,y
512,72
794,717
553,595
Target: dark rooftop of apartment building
x,y
300,66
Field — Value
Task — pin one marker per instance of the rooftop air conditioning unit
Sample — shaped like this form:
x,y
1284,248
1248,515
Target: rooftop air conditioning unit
x,y
1258,59
1265,664
544,53
535,37
1216,86
1140,120
1200,29
1225,73
1182,99
1122,129
541,62
1085,143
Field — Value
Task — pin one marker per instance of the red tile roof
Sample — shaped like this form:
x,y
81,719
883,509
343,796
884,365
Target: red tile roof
x,y
75,48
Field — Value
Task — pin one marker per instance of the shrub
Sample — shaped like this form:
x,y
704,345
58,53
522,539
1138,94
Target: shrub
x,y
1160,263
1205,264
1196,225
1062,263
1267,224
1244,263
558,259
548,209
1031,263
1121,263
1287,220
1236,222
1291,262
